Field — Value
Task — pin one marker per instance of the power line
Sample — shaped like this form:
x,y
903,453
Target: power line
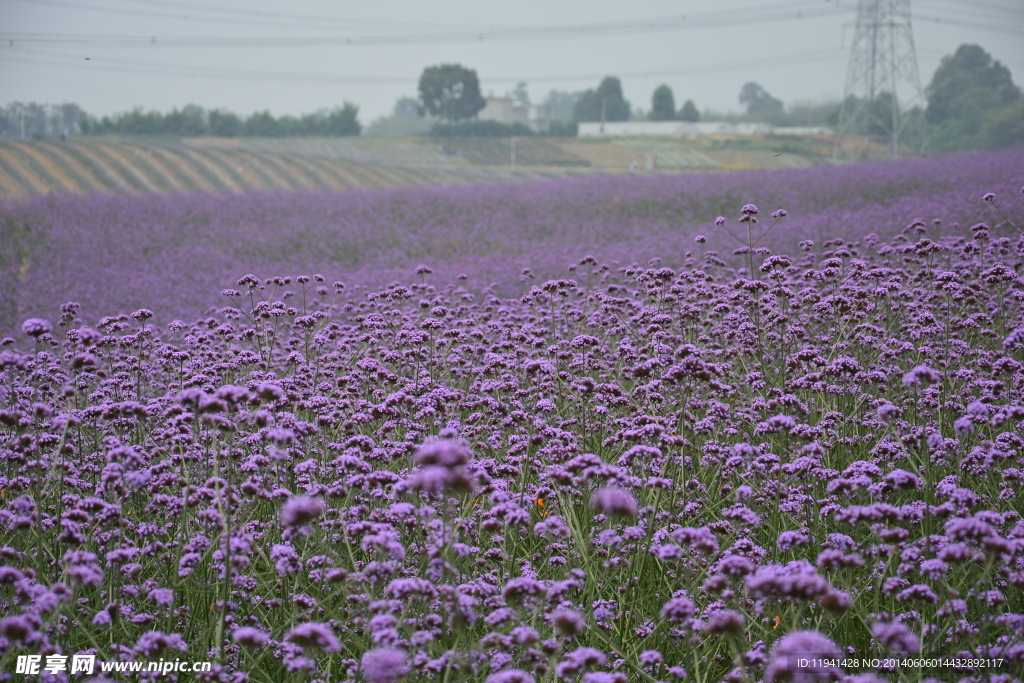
x,y
250,18
975,5
1012,29
47,58
755,15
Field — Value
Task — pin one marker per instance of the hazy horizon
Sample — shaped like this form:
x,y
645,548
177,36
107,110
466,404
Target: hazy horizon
x,y
114,55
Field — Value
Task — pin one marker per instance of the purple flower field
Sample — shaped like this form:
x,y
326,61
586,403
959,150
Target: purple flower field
x,y
571,431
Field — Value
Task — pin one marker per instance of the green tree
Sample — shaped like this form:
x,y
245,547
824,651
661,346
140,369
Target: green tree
x,y
343,121
689,112
261,124
1005,127
188,121
450,92
604,104
404,120
966,90
224,124
760,104
663,104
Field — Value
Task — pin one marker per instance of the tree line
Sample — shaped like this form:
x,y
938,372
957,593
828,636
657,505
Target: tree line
x,y
36,120
971,102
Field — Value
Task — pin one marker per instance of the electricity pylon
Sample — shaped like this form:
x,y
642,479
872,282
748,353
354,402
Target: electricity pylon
x,y
883,89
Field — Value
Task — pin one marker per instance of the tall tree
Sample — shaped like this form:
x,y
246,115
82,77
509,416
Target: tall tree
x,y
225,124
760,104
968,91
261,124
1006,126
689,112
604,104
342,121
663,104
968,83
450,92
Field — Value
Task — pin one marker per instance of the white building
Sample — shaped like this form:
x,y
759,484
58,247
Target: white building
x,y
506,110
668,129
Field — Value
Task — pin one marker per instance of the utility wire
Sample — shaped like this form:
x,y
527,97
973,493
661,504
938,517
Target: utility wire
x,y
1012,29
47,58
755,15
246,17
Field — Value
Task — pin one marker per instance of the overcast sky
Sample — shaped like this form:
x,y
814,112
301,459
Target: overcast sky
x,y
305,55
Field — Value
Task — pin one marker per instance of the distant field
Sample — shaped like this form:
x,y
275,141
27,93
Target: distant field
x,y
36,167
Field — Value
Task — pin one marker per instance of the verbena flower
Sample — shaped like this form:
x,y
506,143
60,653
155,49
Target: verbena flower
x,y
36,327
567,622
614,502
301,510
812,646
384,665
312,634
250,636
896,637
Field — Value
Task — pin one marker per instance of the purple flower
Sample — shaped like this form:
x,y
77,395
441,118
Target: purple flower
x,y
1015,338
9,574
896,637
579,659
301,510
988,196
567,622
384,665
444,452
934,568
726,621
963,426
510,676
156,642
313,634
161,596
902,479
250,637
720,220
921,374
403,588
788,539
614,501
678,609
604,677
812,646
521,587
887,411
23,629
796,579
36,327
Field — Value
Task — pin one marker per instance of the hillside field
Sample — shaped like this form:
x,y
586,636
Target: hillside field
x,y
34,167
